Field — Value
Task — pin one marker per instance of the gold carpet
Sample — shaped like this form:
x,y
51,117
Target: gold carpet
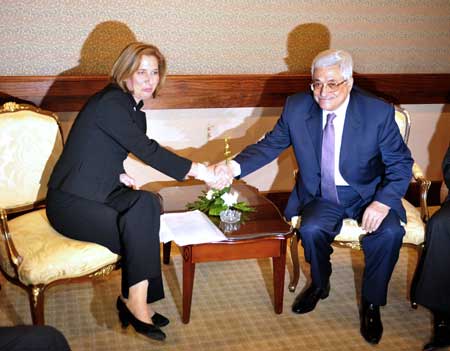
x,y
232,309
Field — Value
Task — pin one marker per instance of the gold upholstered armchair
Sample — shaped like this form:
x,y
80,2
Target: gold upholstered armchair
x,y
32,254
351,233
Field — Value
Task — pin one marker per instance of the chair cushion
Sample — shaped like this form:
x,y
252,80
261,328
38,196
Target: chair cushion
x,y
351,231
49,256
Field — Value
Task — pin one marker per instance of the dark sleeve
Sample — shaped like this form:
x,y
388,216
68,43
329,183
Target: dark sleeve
x,y
114,117
446,168
397,160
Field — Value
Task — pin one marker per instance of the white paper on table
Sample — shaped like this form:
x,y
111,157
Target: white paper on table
x,y
186,228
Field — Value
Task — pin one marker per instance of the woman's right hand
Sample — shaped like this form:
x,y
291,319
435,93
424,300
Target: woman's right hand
x,y
128,181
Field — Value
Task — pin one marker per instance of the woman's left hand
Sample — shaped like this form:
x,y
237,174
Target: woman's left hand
x,y
128,181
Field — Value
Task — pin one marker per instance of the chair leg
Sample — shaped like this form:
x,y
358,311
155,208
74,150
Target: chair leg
x,y
36,297
295,262
412,292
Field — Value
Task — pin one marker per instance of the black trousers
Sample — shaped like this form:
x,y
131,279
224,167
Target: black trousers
x,y
127,224
433,285
322,221
32,338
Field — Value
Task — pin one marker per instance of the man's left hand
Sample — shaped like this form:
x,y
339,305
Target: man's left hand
x,y
374,215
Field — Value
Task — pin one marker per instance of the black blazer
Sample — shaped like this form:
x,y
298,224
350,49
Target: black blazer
x,y
109,127
446,171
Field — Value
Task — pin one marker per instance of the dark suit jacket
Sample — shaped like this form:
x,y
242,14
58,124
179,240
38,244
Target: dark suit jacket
x,y
446,171
374,160
109,127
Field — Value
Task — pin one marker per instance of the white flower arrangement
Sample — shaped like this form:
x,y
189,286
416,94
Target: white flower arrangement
x,y
214,201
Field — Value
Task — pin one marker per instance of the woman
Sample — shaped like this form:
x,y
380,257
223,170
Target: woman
x,y
86,199
433,289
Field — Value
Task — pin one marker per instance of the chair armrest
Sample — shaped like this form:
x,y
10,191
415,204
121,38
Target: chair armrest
x,y
10,248
424,186
161,203
444,192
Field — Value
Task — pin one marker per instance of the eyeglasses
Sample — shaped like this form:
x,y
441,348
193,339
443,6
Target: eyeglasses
x,y
331,85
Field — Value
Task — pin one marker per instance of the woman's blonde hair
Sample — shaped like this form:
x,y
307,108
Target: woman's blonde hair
x,y
129,60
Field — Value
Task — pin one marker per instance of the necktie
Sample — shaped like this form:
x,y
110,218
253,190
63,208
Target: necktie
x,y
328,185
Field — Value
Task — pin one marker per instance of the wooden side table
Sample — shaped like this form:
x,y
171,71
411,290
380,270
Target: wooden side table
x,y
263,233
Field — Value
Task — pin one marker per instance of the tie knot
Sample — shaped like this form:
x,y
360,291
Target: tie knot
x,y
330,117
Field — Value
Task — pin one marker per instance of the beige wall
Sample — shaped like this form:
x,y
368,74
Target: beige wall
x,y
198,134
235,36
48,37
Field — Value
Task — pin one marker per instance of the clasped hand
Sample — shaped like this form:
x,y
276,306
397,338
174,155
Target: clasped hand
x,y
216,176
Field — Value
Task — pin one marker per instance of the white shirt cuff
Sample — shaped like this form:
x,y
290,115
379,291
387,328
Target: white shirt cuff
x,y
235,168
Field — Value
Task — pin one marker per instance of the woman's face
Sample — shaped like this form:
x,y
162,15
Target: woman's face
x,y
144,81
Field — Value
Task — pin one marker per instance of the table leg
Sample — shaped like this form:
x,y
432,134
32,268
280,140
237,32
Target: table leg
x,y
188,282
279,267
166,252
295,262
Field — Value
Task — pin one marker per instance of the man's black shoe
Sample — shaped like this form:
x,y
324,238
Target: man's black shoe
x,y
441,337
307,300
371,326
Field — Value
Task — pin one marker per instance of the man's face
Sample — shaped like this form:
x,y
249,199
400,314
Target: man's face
x,y
330,98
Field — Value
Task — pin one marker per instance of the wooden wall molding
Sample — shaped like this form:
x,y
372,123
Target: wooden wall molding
x,y
69,93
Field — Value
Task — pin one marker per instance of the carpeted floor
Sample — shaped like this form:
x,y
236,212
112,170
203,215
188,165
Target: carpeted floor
x,y
232,309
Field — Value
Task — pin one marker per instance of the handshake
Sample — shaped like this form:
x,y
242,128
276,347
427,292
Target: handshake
x,y
217,176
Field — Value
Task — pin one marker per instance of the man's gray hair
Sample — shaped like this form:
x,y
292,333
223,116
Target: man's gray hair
x,y
330,57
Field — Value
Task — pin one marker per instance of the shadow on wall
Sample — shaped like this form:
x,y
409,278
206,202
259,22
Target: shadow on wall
x,y
438,145
9,98
304,42
98,53
101,49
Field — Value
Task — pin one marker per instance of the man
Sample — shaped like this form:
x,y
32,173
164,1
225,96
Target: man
x,y
433,290
352,162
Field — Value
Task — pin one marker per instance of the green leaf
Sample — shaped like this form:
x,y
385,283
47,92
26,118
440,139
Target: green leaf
x,y
243,207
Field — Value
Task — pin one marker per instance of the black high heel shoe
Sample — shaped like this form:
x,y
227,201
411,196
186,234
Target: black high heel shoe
x,y
127,318
158,319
